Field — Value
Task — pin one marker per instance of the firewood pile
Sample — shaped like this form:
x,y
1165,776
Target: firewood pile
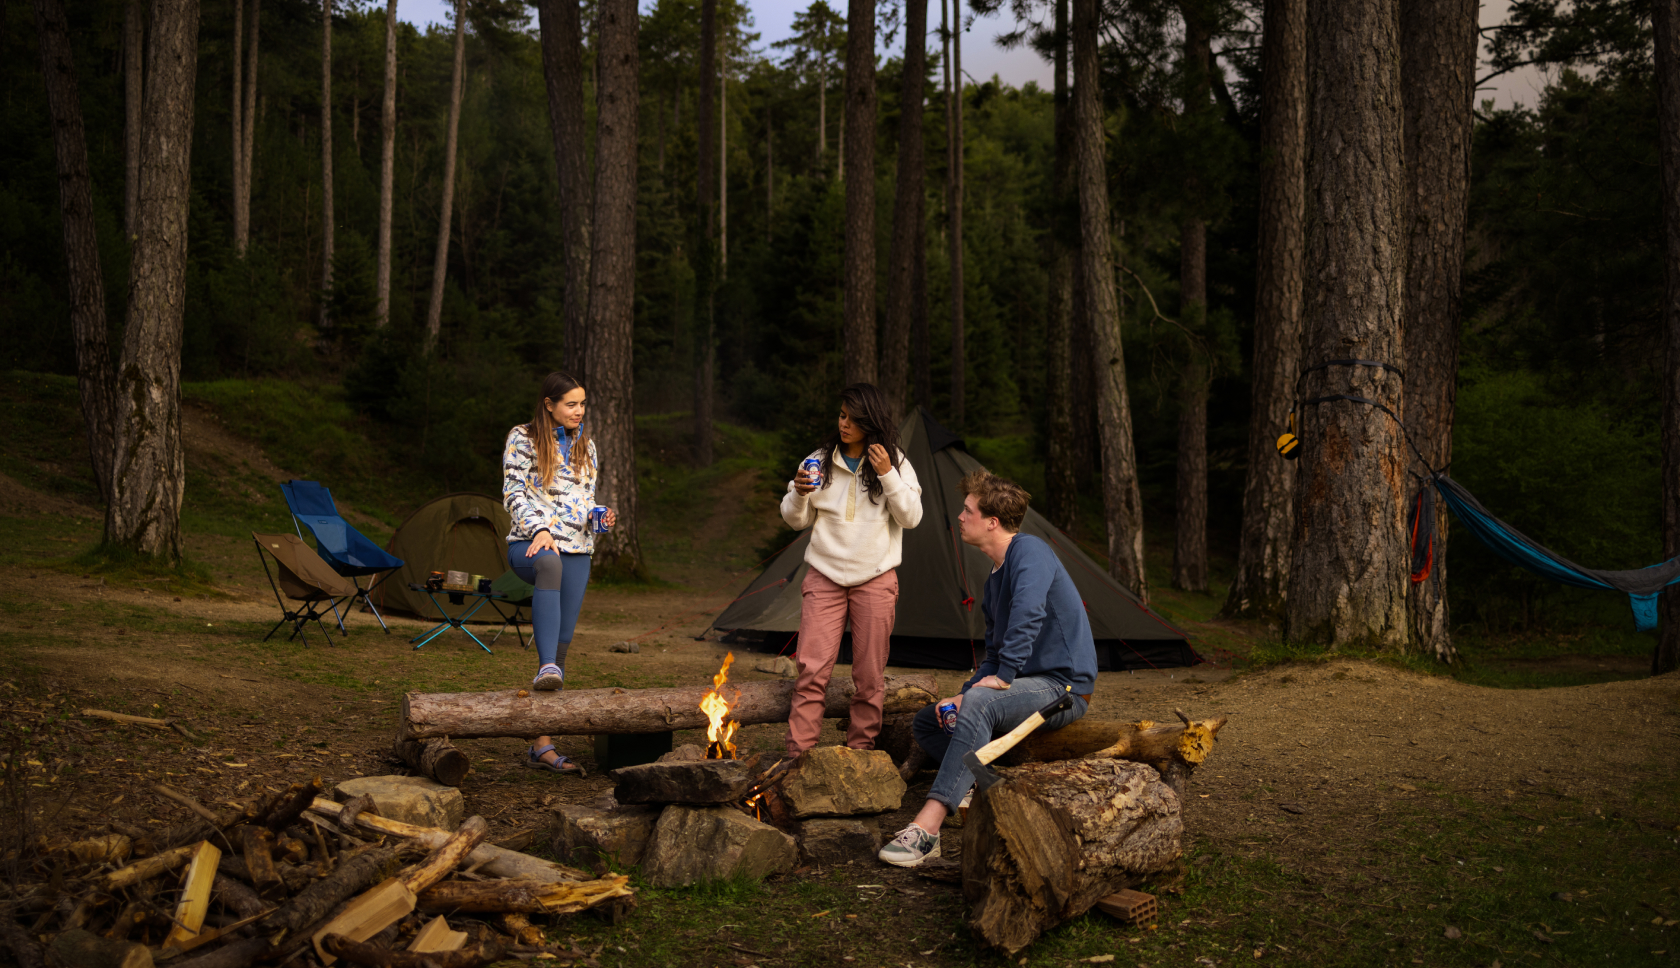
x,y
290,877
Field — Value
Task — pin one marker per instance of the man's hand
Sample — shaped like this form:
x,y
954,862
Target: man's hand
x,y
878,457
991,682
543,540
954,700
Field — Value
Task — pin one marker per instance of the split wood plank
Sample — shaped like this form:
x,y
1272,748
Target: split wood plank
x,y
437,936
195,894
394,899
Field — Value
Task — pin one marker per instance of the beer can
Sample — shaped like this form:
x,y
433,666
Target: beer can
x,y
812,468
598,520
948,717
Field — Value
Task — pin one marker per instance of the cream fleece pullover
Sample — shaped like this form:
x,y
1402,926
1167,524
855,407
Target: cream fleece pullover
x,y
852,539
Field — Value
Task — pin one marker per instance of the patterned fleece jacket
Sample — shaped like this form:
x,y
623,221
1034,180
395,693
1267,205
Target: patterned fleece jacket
x,y
561,507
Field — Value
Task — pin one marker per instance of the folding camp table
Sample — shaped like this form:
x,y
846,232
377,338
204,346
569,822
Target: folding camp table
x,y
453,621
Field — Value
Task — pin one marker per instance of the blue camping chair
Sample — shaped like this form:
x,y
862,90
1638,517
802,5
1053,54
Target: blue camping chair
x,y
342,547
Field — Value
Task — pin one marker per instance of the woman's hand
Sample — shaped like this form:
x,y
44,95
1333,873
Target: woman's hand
x,y
802,483
543,540
878,457
992,682
610,518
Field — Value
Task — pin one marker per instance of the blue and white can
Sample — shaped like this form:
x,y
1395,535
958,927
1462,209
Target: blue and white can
x,y
598,520
948,717
811,467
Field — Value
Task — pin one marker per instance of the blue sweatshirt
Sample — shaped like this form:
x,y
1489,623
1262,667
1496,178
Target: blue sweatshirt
x,y
1035,621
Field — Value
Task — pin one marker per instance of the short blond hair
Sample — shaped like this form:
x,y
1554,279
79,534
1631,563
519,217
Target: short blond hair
x,y
997,497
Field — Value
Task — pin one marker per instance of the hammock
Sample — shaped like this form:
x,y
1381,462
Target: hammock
x,y
1641,584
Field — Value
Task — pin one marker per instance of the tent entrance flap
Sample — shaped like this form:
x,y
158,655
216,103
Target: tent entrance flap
x,y
941,581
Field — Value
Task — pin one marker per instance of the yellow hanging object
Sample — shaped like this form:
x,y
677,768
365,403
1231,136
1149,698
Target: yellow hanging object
x,y
1289,445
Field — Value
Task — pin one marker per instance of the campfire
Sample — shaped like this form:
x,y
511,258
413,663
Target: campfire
x,y
720,730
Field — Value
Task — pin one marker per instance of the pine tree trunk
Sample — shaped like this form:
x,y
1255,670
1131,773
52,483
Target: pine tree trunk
x,y
387,163
134,88
1122,502
894,371
1665,22
705,258
81,244
148,469
560,22
1438,40
1061,479
247,137
954,107
1190,568
858,143
446,206
919,346
769,176
612,288
326,163
1086,451
1262,575
1347,581
236,118
723,165
822,108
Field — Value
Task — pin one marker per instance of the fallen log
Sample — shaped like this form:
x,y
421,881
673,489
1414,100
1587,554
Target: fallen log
x,y
488,859
1051,839
583,712
366,954
434,758
520,897
355,873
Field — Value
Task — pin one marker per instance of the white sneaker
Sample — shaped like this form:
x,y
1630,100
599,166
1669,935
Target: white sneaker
x,y
912,846
549,678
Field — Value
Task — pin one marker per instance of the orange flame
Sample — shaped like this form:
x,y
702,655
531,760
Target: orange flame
x,y
720,731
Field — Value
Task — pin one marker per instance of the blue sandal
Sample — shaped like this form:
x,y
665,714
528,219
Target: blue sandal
x,y
561,764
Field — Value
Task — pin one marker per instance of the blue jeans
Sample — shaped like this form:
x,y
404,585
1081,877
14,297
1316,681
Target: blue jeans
x,y
985,715
560,580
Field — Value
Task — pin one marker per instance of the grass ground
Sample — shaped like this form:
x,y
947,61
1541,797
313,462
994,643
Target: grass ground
x,y
1520,809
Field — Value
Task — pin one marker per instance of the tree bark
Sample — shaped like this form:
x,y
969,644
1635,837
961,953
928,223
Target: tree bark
x,y
468,715
858,143
1190,566
1061,478
446,207
560,23
1157,745
919,317
326,163
236,118
1438,40
436,759
1665,23
954,208
1262,575
612,288
88,327
246,137
1347,581
524,897
148,468
387,163
705,288
134,88
1122,502
1052,839
894,372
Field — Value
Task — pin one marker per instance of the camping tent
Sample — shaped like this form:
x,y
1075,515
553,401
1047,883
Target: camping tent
x,y
940,581
457,532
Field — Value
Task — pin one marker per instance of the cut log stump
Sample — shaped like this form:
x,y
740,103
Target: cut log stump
x,y
436,759
1052,839
578,712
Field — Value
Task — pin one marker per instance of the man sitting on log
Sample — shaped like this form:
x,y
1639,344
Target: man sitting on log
x,y
1038,643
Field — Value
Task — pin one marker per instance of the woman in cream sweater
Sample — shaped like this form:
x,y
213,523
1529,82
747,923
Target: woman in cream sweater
x,y
857,508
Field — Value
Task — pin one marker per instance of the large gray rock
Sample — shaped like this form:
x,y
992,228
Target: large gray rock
x,y
411,799
837,781
683,781
692,845
837,841
584,834
684,753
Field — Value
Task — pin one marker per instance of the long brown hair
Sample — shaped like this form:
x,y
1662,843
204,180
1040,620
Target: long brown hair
x,y
542,426
868,409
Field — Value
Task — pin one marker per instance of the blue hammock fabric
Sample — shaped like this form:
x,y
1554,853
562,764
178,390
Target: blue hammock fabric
x,y
1641,584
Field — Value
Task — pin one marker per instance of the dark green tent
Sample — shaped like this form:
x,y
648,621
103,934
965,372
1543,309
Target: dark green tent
x,y
457,532
940,582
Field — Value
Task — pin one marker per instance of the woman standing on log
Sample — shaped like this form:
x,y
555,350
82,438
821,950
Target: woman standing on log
x,y
548,487
857,494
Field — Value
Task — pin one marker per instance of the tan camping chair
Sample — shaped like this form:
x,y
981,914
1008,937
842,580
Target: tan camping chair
x,y
304,578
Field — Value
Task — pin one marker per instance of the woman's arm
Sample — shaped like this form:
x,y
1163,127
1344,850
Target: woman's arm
x,y
799,510
518,456
903,493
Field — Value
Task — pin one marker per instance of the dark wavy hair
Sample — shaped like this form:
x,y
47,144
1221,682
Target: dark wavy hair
x,y
869,411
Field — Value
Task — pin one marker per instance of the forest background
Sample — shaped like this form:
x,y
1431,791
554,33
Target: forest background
x,y
1560,359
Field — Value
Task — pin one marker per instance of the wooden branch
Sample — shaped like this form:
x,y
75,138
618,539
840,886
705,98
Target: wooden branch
x,y
618,711
237,897
434,758
195,894
83,949
109,849
366,916
448,855
152,866
1142,742
297,799
366,954
520,929
487,858
354,874
188,802
125,718
257,850
521,897
240,954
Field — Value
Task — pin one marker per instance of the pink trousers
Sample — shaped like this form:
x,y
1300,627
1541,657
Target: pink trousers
x,y
872,607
